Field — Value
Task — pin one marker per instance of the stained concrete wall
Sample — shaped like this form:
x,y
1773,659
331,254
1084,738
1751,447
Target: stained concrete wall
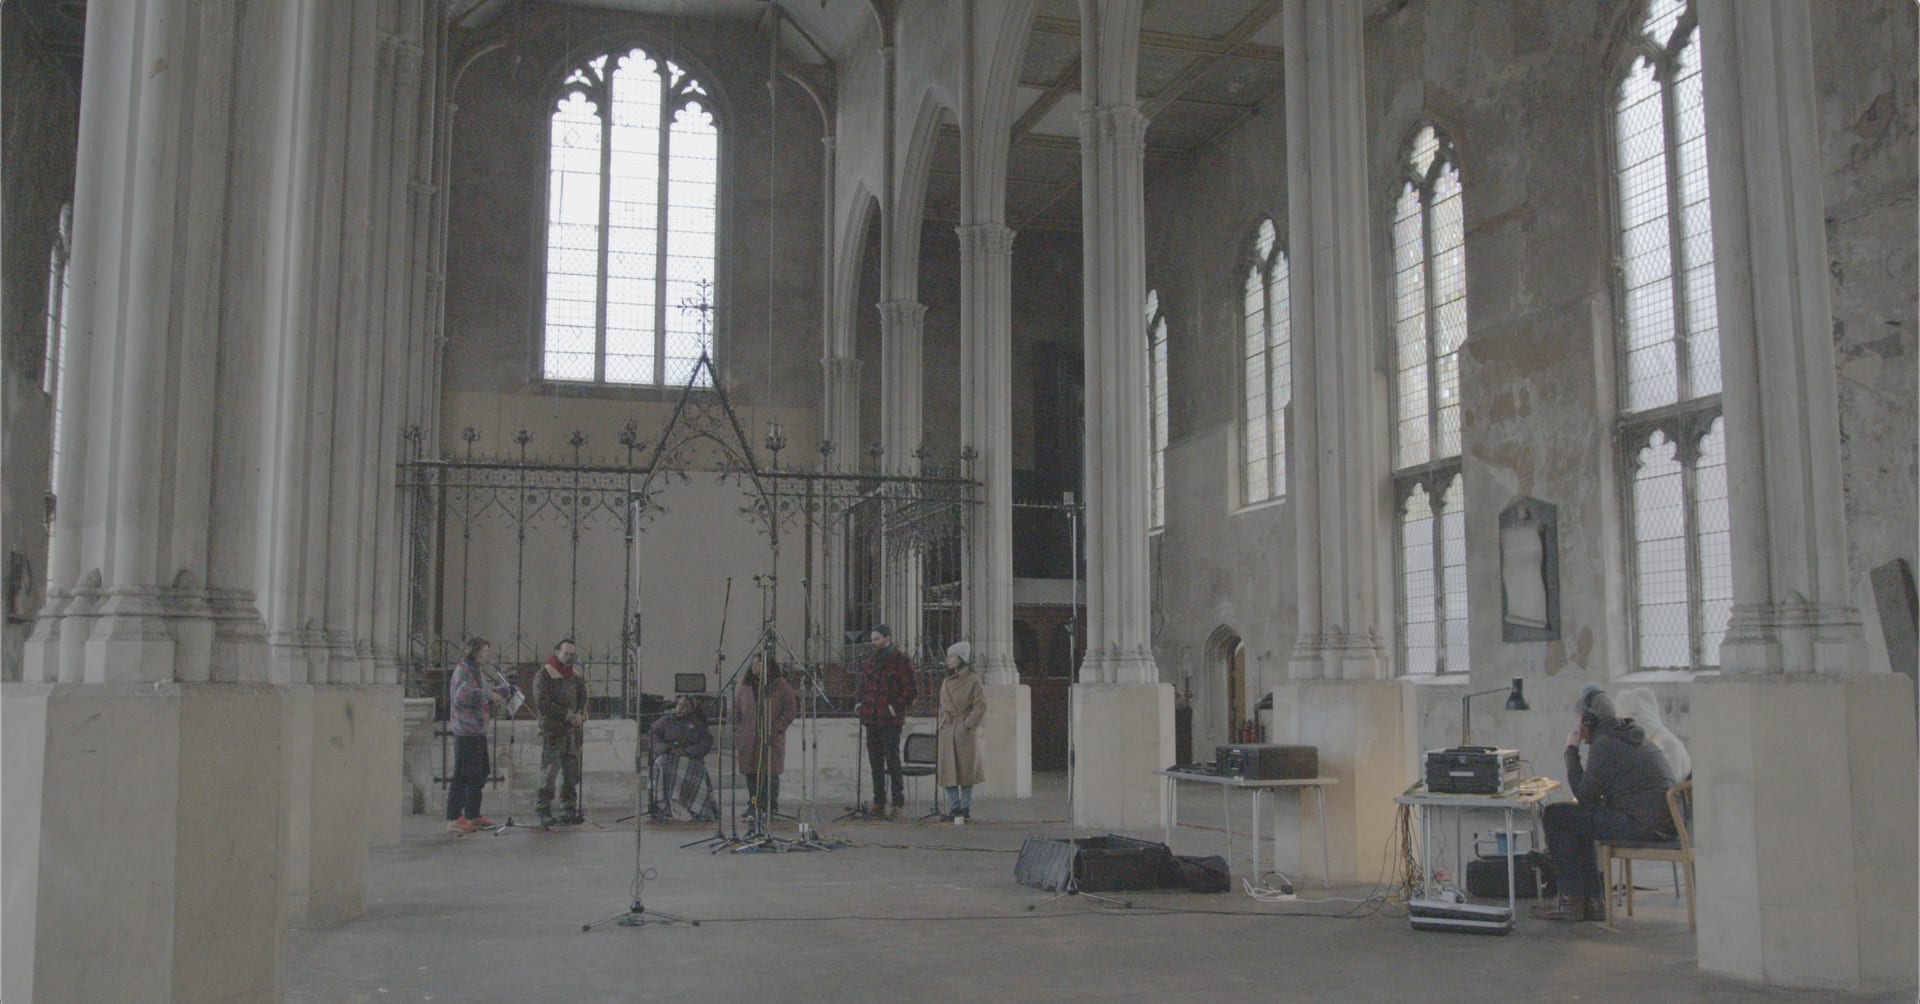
x,y
1523,90
40,109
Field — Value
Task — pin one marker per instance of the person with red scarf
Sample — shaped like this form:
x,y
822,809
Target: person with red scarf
x,y
560,700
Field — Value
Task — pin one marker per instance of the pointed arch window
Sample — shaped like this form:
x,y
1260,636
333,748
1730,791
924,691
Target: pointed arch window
x,y
1266,375
1429,327
632,205
1671,436
1157,406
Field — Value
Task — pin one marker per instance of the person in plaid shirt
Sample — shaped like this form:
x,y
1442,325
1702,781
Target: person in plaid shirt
x,y
469,703
886,690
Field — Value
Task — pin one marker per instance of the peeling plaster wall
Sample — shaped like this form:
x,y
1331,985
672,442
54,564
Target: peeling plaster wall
x,y
40,109
1217,564
1523,90
1864,59
767,342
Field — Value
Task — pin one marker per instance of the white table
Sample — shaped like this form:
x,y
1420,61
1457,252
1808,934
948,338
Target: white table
x,y
1527,795
1257,789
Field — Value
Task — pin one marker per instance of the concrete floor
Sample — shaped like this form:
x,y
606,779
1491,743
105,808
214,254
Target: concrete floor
x,y
925,910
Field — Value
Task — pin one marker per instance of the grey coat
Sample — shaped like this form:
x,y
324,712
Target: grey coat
x,y
1625,771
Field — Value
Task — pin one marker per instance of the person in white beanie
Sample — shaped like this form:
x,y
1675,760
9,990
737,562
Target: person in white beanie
x,y
962,705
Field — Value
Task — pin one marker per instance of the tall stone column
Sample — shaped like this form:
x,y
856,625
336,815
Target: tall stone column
x,y
1794,743
1341,696
986,393
841,426
902,329
143,701
1121,715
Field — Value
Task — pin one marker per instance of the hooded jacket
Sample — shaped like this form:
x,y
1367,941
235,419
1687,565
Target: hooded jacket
x,y
1625,771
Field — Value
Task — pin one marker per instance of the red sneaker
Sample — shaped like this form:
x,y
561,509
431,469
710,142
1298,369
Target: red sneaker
x,y
460,825
481,823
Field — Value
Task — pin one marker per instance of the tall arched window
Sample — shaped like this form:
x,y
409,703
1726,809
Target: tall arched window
x,y
1157,406
1266,375
1672,445
1429,326
632,195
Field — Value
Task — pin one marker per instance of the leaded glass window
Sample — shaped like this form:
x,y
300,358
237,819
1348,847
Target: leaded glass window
x,y
1672,444
1266,368
632,201
1157,405
1429,327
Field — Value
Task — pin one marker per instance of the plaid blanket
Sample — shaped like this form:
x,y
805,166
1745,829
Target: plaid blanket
x,y
682,781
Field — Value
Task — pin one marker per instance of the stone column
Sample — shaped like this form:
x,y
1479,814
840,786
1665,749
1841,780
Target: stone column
x,y
986,393
1795,746
1341,697
1121,714
840,405
902,327
142,702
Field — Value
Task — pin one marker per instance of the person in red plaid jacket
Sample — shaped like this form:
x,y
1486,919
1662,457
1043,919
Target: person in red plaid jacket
x,y
886,691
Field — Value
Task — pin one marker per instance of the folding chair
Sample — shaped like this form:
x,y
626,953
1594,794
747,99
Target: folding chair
x,y
1678,850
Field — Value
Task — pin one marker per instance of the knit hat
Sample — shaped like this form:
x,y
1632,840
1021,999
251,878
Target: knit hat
x,y
961,650
1595,702
883,631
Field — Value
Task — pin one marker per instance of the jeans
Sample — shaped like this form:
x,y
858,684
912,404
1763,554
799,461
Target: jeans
x,y
559,768
471,768
1572,827
883,754
960,798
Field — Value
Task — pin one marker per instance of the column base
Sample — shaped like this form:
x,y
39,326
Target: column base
x,y
1121,734
326,794
1804,806
1364,731
1006,742
379,709
144,818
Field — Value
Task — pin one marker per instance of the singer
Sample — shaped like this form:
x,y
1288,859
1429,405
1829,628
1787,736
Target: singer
x,y
469,702
560,699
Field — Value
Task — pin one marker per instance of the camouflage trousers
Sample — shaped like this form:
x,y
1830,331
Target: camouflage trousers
x,y
559,768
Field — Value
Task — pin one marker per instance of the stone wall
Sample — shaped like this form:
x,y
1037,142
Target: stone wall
x,y
40,106
1523,91
768,316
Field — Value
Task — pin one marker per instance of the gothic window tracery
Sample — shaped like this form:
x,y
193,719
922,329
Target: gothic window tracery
x,y
1266,376
632,205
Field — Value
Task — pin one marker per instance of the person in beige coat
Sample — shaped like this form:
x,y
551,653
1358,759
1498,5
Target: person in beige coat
x,y
962,704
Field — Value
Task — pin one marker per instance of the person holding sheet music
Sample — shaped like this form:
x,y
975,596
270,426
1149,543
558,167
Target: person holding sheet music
x,y
469,704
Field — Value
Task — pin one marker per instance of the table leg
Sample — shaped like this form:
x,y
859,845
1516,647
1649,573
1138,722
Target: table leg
x,y
1166,812
1257,792
1426,852
1512,904
1226,822
1326,871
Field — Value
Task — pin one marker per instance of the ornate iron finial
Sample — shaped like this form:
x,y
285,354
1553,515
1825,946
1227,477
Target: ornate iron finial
x,y
968,454
469,434
523,437
922,452
576,439
700,304
874,450
826,448
630,434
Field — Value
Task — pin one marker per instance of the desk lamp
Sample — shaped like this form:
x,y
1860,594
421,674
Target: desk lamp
x,y
1516,701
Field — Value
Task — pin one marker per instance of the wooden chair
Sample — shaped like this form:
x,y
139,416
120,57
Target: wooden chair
x,y
1678,850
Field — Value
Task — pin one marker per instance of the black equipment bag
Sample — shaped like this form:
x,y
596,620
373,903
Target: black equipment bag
x,y
1532,872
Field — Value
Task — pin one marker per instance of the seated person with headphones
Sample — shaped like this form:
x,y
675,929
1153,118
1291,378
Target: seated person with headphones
x,y
1622,792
